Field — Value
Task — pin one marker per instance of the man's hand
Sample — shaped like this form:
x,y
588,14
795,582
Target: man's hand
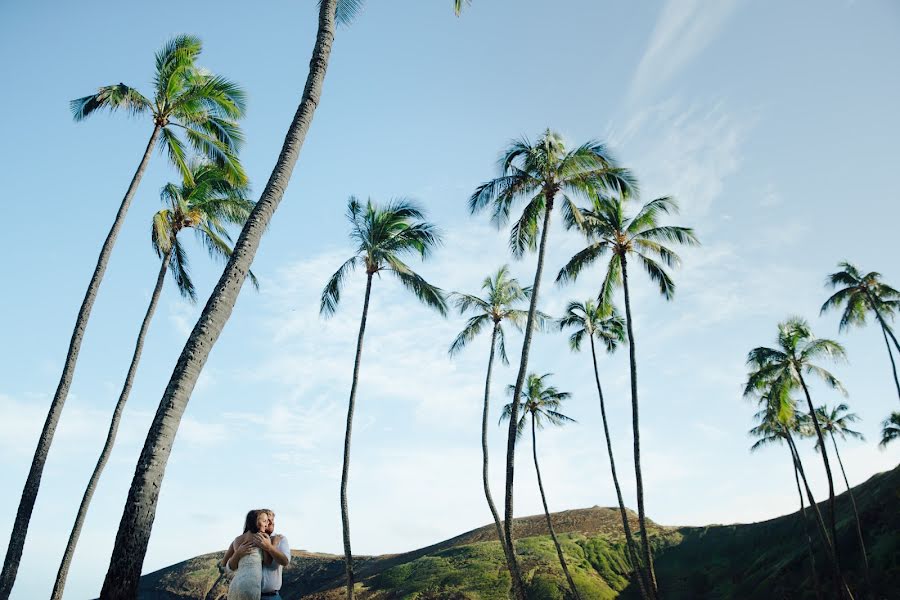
x,y
261,540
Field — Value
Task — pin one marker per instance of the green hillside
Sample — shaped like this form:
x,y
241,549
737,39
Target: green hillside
x,y
759,560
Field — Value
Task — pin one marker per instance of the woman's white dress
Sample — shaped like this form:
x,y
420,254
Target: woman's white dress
x,y
247,581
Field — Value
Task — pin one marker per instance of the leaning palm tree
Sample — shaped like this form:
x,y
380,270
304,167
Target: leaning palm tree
x,y
541,402
204,108
135,526
861,294
383,236
540,173
609,230
774,426
593,320
206,203
794,356
502,295
890,429
836,421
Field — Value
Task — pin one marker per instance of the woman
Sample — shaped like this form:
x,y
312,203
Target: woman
x,y
247,581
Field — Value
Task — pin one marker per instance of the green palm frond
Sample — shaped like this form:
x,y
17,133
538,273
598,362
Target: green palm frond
x,y
524,233
178,265
331,295
473,327
110,97
428,294
658,275
582,260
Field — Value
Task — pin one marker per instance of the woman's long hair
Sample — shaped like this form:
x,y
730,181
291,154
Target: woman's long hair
x,y
251,521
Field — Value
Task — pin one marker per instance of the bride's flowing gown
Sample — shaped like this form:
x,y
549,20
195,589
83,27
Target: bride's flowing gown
x,y
247,581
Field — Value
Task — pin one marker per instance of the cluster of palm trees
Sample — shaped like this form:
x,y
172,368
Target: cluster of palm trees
x,y
194,116
777,372
193,112
542,173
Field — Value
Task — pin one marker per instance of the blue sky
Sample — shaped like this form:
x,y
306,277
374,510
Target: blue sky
x,y
774,125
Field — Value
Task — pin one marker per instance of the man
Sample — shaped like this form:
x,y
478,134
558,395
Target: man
x,y
277,555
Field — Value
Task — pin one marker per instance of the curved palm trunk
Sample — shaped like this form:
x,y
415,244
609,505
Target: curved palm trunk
x,y
804,524
884,331
140,508
635,424
886,327
518,584
831,502
841,588
862,544
484,446
33,482
345,471
559,552
629,540
63,571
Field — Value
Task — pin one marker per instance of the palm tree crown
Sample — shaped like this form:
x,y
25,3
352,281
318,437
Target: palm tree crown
x,y
593,320
540,401
794,356
204,107
860,294
890,429
836,421
606,225
206,203
502,294
383,235
538,172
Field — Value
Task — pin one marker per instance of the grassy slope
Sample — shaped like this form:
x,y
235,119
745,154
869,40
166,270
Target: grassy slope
x,y
760,560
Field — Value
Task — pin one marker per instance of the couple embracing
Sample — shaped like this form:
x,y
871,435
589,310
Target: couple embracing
x,y
256,558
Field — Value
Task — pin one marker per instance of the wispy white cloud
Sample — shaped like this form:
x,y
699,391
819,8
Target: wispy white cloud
x,y
684,28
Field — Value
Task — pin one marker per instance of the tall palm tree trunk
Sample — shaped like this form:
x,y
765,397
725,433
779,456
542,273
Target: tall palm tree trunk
x,y
33,482
484,444
635,424
885,326
63,571
629,540
862,544
831,501
884,332
841,588
140,508
345,471
804,525
518,584
559,552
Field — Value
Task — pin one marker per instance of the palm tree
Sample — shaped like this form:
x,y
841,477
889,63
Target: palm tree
x,y
540,173
609,230
205,108
207,203
136,523
383,235
860,295
541,402
836,422
794,356
890,429
502,294
600,321
775,422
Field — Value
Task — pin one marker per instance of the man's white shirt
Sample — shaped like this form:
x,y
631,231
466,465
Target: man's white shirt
x,y
271,575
